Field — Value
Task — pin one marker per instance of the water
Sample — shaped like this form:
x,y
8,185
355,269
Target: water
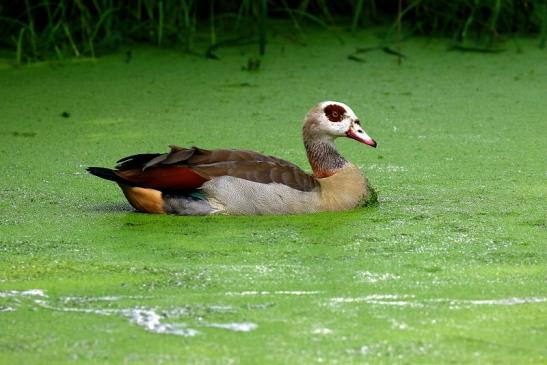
x,y
450,265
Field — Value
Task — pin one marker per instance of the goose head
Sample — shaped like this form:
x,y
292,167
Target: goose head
x,y
331,119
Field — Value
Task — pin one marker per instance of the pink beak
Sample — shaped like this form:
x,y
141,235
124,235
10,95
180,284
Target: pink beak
x,y
357,133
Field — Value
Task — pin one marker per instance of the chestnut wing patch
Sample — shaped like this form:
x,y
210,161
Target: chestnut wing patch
x,y
335,112
164,178
188,168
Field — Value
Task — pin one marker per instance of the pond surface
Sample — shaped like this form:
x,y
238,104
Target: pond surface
x,y
450,267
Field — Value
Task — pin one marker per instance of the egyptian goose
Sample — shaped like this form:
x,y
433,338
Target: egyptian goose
x,y
194,181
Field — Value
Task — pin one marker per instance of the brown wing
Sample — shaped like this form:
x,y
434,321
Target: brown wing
x,y
189,168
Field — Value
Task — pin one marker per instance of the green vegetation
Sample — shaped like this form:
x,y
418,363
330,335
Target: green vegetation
x,y
449,267
57,29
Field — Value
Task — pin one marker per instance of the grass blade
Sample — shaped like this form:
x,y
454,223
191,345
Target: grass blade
x,y
71,40
357,10
160,22
262,18
543,31
19,49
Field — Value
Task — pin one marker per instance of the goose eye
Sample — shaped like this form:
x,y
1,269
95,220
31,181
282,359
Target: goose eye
x,y
334,112
357,122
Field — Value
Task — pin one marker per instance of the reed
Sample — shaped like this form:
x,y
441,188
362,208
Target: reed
x,y
41,29
543,31
262,18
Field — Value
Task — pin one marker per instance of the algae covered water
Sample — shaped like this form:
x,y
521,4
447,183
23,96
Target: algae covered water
x,y
448,267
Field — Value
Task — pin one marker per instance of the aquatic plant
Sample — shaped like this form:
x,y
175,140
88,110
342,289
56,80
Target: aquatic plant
x,y
450,264
43,29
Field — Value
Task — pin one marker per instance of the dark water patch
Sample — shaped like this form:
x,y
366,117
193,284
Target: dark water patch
x,y
392,52
128,56
230,42
356,59
23,134
131,224
211,55
253,64
539,223
366,49
384,49
241,84
467,49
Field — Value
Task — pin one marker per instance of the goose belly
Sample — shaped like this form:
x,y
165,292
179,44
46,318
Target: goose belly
x,y
232,195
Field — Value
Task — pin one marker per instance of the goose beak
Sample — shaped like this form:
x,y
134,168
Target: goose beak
x,y
357,133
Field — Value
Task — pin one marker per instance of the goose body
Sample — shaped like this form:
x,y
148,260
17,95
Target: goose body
x,y
195,181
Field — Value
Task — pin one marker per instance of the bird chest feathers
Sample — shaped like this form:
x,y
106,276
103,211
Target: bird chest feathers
x,y
346,189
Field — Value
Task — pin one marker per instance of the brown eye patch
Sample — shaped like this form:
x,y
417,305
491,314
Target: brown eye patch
x,y
334,112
